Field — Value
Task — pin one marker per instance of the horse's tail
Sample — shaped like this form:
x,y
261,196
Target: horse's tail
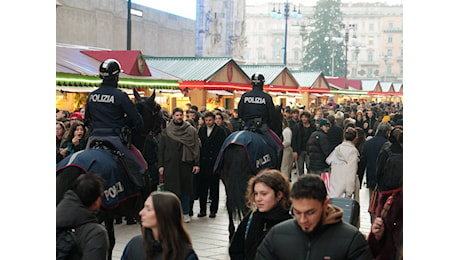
x,y
235,174
65,177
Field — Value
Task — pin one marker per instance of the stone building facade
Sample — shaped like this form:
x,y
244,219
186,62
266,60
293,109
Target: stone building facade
x,y
375,53
103,24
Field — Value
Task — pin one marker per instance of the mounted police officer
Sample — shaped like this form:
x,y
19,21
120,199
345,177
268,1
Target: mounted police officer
x,y
258,113
111,116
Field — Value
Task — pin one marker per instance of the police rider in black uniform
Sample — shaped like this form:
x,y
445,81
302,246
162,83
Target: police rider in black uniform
x,y
257,111
109,110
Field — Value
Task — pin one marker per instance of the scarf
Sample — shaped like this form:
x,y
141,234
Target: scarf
x,y
186,134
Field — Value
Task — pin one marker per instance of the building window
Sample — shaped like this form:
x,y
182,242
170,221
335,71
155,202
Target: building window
x,y
390,52
260,54
354,56
370,40
296,55
370,55
388,70
371,27
390,39
369,72
276,48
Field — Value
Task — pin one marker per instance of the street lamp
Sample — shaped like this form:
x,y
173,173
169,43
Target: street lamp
x,y
347,29
295,14
128,31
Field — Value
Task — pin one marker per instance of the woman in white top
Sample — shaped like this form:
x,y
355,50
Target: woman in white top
x,y
287,160
344,165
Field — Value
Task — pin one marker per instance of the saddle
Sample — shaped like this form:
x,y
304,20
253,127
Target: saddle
x,y
131,167
253,125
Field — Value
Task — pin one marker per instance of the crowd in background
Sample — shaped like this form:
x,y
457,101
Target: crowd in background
x,y
355,132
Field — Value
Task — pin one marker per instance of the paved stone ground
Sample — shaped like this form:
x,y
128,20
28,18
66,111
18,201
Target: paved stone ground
x,y
210,236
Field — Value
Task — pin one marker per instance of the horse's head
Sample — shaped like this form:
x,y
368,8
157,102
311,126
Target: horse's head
x,y
151,113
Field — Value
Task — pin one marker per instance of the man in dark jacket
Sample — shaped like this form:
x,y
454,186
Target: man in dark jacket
x,y
318,148
317,230
109,110
335,133
212,137
300,135
368,159
179,158
78,210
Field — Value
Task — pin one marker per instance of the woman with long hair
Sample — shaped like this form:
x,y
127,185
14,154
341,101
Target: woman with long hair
x,y
268,198
164,235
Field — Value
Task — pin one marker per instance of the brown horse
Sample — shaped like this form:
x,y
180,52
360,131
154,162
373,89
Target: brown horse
x,y
121,196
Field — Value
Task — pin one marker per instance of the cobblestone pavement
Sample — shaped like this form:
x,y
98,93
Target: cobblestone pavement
x,y
210,236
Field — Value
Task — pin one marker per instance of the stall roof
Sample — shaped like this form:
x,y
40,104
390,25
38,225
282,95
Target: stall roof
x,y
270,72
355,84
306,78
387,86
132,62
337,83
398,86
277,78
370,84
189,68
72,59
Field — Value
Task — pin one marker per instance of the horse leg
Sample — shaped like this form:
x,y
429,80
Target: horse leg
x,y
231,225
108,222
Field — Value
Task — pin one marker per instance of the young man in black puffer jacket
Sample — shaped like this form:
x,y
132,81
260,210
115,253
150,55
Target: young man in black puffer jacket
x,y
317,230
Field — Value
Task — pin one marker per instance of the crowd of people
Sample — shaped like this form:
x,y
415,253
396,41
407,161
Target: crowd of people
x,y
347,141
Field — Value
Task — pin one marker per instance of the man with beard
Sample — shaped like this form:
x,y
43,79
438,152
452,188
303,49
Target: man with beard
x,y
316,231
179,158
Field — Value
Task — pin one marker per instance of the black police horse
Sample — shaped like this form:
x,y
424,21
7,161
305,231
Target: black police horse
x,y
235,171
130,206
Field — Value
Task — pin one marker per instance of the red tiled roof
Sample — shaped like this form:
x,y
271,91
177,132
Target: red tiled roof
x,y
128,60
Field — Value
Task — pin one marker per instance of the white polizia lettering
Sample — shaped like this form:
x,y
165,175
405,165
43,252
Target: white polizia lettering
x,y
265,159
113,191
255,100
102,98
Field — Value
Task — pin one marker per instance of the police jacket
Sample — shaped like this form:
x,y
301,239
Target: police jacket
x,y
334,239
106,108
256,104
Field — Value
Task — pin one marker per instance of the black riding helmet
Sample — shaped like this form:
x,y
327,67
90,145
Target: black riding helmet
x,y
257,79
109,69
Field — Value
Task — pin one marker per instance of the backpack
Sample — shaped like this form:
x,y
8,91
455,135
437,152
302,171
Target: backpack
x,y
392,172
66,243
